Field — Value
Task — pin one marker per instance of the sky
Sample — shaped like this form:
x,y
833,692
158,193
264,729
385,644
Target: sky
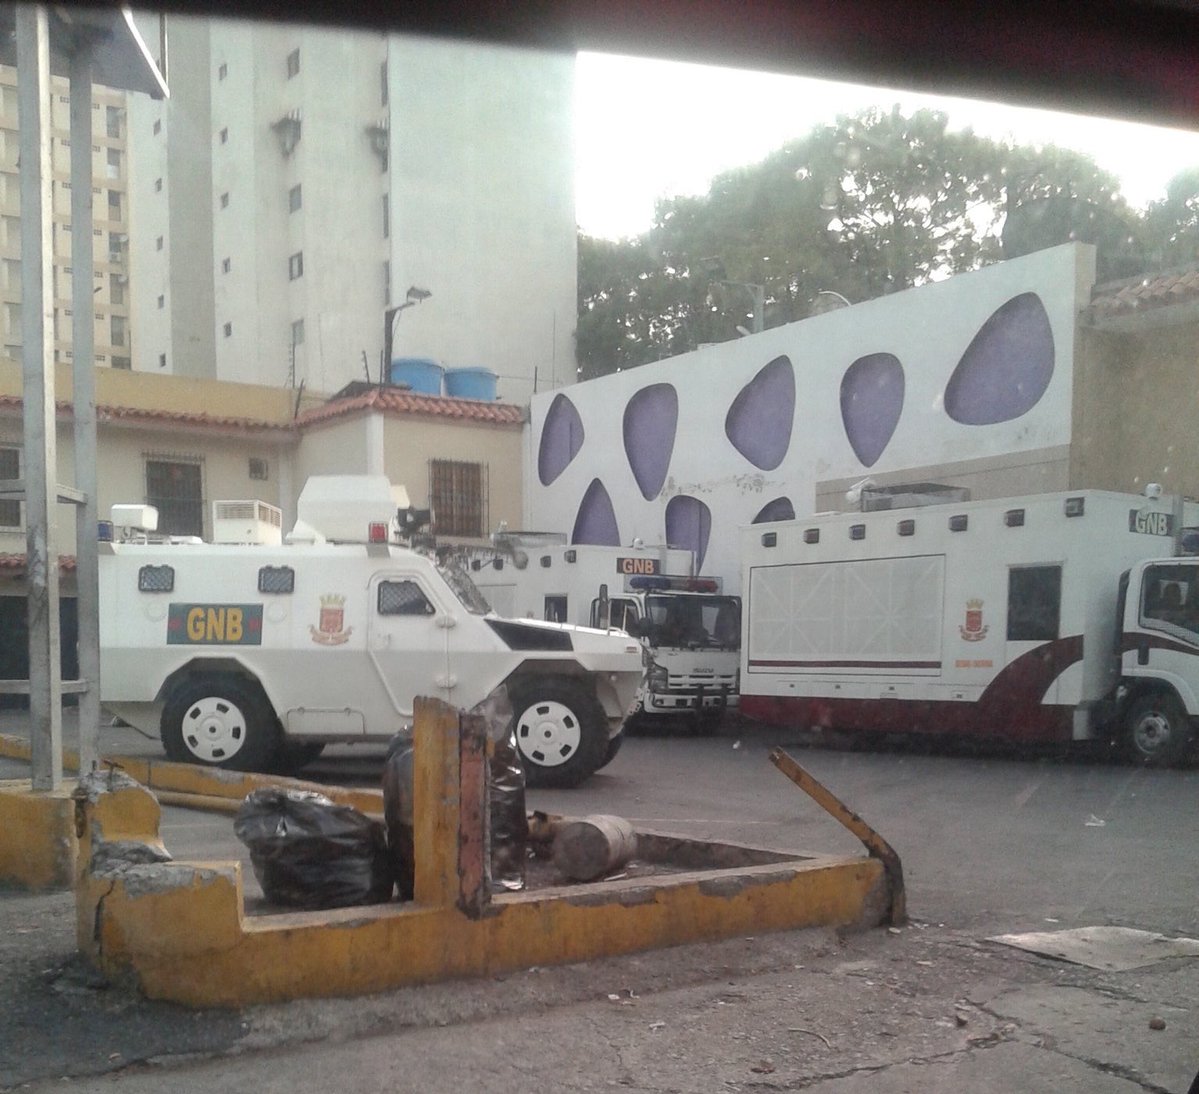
x,y
647,129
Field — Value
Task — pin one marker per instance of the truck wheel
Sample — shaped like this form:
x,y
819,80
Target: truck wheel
x,y
220,721
561,731
1157,730
291,756
614,744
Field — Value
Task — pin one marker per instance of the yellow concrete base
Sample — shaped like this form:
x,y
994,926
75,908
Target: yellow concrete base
x,y
38,846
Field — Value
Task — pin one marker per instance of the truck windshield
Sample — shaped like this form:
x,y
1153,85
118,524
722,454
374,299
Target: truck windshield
x,y
464,589
694,621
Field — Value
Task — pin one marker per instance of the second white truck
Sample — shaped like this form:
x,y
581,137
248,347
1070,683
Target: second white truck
x,y
1044,617
690,629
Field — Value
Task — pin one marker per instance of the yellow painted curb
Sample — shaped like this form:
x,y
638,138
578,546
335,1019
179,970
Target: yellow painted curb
x,y
203,787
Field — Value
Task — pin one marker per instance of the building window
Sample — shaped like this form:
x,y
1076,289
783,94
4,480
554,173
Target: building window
x,y
293,63
158,186
158,244
297,333
224,136
226,265
457,496
259,469
383,84
295,198
295,266
10,468
116,289
113,163
162,360
222,72
386,217
386,284
122,363
112,121
157,126
225,200
117,328
176,490
114,205
162,302
228,330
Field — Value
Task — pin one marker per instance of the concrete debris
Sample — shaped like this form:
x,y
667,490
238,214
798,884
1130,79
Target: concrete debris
x,y
1114,949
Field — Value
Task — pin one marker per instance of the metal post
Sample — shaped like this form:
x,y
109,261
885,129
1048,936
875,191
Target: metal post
x,y
758,292
37,375
87,577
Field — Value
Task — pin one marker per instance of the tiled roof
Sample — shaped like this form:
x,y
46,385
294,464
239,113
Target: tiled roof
x,y
1140,294
392,400
198,419
388,400
15,564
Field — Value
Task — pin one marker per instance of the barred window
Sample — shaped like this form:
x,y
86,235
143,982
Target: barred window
x,y
156,579
276,579
458,497
403,598
10,468
176,489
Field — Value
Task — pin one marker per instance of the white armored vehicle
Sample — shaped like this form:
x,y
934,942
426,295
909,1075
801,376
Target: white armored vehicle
x,y
253,653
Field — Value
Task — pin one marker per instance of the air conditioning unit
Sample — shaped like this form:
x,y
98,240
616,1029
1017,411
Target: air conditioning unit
x,y
247,522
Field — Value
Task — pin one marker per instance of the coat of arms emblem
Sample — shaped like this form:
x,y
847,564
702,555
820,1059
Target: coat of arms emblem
x,y
974,630
332,630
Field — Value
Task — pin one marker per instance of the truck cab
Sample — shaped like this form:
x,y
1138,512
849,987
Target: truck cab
x,y
690,629
1158,657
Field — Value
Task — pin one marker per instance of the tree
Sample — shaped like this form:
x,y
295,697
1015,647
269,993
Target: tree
x,y
873,204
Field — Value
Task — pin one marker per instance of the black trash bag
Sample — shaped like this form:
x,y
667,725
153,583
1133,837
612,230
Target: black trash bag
x,y
509,824
308,852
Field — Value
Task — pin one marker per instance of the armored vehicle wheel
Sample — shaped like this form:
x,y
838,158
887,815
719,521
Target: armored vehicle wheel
x,y
614,744
561,731
294,755
1156,729
220,721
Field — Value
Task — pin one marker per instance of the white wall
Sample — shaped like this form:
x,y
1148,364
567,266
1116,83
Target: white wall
x,y
928,329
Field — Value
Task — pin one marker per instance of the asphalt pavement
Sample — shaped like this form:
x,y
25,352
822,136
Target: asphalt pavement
x,y
991,844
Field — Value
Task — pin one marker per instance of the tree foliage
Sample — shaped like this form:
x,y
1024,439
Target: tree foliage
x,y
876,203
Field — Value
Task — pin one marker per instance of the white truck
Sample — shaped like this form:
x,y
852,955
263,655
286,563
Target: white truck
x,y
254,653
1045,617
691,631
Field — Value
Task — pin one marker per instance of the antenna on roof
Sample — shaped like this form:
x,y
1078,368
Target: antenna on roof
x,y
366,366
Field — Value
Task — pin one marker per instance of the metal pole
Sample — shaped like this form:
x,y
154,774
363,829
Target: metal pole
x,y
37,375
87,577
759,295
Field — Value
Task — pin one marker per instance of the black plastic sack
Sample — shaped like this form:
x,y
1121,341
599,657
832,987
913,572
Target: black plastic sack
x,y
308,852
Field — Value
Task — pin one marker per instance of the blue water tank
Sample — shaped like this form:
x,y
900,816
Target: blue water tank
x,y
470,383
421,374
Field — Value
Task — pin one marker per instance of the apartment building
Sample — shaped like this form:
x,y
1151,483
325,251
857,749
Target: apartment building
x,y
110,204
301,180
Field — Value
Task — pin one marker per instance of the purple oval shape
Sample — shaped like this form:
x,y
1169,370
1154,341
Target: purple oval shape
x,y
689,524
1006,368
562,436
779,509
759,421
596,520
651,419
871,402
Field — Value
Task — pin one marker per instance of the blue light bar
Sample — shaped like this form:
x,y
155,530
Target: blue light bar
x,y
104,531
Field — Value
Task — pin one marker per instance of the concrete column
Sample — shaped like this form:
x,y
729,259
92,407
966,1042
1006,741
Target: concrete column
x,y
37,360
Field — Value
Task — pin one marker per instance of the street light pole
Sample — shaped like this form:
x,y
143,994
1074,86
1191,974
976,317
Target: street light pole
x,y
413,296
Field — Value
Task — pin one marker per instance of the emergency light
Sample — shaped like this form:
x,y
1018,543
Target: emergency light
x,y
104,531
660,583
376,532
